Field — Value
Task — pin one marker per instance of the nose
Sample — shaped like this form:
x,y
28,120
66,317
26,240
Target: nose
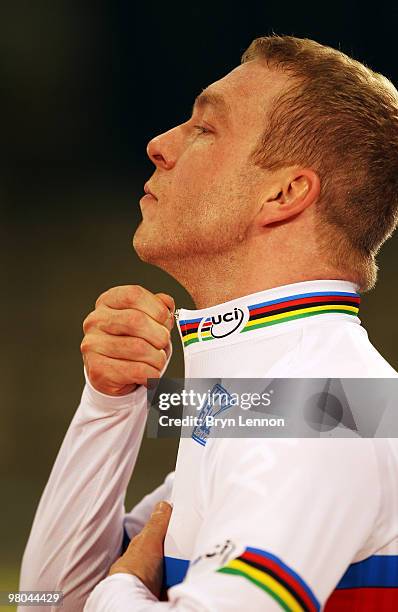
x,y
162,151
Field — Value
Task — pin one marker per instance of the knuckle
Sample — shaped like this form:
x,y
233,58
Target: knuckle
x,y
97,318
84,346
95,374
112,291
163,358
101,297
164,336
87,323
96,371
164,312
92,320
134,293
161,339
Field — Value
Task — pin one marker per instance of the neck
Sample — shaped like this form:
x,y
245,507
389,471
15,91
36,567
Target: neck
x,y
215,280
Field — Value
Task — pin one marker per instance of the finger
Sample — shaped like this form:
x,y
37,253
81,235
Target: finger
x,y
121,372
130,322
169,302
126,347
135,297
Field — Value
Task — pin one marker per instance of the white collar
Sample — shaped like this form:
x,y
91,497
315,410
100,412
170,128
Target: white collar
x,y
257,312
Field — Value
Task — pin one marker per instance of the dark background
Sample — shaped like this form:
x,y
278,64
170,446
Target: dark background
x,y
83,87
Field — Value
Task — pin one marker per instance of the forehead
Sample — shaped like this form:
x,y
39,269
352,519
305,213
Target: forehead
x,y
248,91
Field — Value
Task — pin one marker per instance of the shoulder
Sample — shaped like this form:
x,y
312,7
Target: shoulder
x,y
340,349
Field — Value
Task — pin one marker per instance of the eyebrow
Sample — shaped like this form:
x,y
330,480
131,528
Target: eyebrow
x,y
210,98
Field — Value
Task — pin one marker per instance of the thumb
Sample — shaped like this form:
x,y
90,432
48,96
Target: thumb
x,y
158,522
167,300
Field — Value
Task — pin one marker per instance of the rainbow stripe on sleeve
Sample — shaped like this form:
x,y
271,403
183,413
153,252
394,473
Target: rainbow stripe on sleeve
x,y
269,573
277,311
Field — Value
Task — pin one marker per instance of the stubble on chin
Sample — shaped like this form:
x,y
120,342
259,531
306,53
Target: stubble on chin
x,y
156,246
215,227
171,246
142,244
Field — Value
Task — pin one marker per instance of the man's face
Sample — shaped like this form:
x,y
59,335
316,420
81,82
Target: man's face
x,y
208,190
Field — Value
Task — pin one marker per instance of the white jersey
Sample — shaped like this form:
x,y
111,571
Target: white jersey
x,y
263,524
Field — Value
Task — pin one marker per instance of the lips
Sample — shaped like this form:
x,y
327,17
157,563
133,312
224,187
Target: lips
x,y
147,190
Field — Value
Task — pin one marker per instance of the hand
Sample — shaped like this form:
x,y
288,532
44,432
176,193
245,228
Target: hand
x,y
127,338
144,555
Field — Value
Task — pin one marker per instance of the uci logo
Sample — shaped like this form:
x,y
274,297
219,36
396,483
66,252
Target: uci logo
x,y
225,324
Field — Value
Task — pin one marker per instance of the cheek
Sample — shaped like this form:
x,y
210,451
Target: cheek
x,y
206,175
208,153
203,171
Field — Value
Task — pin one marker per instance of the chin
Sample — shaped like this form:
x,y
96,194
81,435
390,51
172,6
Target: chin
x,y
147,248
160,248
142,247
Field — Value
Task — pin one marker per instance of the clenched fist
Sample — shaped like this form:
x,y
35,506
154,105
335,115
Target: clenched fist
x,y
127,338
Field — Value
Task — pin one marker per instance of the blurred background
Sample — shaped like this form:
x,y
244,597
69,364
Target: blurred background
x,y
84,86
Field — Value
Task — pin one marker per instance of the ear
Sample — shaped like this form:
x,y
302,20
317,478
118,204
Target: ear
x,y
292,191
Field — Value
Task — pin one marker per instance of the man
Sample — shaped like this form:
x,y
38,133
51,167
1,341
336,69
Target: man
x,y
271,200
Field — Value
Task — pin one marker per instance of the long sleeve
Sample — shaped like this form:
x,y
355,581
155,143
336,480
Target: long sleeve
x,y
77,531
259,544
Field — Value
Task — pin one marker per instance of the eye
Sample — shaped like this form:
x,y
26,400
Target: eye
x,y
201,129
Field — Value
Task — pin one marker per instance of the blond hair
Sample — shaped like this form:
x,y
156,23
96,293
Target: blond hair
x,y
340,118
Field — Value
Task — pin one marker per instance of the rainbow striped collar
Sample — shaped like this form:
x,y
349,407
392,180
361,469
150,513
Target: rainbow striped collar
x,y
267,308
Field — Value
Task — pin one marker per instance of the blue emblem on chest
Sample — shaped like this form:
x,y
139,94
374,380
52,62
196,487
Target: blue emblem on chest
x,y
218,400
